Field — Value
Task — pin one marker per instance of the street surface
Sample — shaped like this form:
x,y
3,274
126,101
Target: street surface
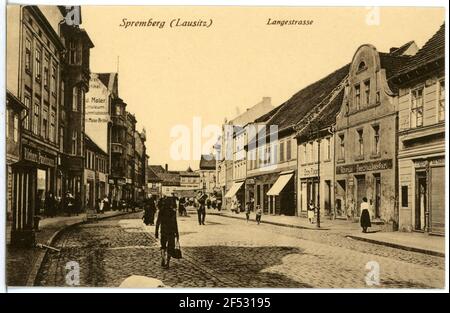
x,y
228,252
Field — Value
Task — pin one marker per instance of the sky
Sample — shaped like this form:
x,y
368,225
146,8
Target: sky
x,y
168,76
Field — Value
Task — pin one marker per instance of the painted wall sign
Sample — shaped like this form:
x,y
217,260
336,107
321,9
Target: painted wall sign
x,y
364,167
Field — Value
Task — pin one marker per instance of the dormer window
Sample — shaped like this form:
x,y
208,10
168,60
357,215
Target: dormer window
x,y
362,66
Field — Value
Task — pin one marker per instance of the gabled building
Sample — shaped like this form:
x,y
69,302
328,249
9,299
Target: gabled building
x,y
207,173
421,138
366,135
96,169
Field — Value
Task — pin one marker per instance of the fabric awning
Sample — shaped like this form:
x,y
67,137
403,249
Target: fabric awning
x,y
279,185
233,189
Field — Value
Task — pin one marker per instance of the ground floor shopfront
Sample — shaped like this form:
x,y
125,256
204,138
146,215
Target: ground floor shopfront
x,y
273,192
422,194
95,186
30,181
376,181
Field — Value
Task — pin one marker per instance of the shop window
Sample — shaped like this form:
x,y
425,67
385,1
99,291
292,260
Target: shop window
x,y
417,107
441,99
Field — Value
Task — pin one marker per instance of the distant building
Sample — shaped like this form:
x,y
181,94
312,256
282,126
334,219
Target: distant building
x,y
207,173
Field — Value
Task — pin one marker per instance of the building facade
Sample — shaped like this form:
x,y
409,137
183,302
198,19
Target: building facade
x,y
366,136
96,170
207,173
421,155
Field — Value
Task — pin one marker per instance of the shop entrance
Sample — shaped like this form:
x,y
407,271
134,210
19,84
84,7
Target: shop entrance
x,y
421,200
340,199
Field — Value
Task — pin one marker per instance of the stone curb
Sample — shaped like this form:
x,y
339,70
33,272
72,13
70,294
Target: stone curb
x,y
398,246
272,223
42,253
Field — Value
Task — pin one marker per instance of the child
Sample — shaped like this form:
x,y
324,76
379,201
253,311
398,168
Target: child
x,y
258,214
311,211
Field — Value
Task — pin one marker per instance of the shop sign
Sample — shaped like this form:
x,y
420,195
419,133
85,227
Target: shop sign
x,y
38,157
364,167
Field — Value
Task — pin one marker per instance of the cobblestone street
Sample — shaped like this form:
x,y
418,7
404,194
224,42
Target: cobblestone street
x,y
228,252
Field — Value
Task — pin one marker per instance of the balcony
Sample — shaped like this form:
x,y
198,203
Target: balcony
x,y
118,120
117,148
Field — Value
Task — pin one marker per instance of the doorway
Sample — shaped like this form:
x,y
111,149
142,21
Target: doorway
x,y
377,199
421,200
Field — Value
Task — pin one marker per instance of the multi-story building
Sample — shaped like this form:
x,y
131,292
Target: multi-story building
x,y
315,145
421,138
233,153
154,181
130,188
140,161
96,170
366,134
36,64
75,76
207,173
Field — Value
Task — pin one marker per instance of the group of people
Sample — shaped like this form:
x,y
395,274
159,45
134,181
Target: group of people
x,y
51,206
249,206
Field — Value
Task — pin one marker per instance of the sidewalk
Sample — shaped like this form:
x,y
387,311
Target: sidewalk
x,y
22,264
417,242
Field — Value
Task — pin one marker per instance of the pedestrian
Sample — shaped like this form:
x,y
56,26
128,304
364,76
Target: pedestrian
x,y
311,211
258,214
106,203
365,215
167,227
101,206
49,204
77,204
70,202
247,211
201,209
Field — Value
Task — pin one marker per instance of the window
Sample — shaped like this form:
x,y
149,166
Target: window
x,y
61,98
118,112
417,107
378,98
288,150
367,92
74,142
46,71
311,152
61,139
53,83
16,128
28,55
72,52
52,125
376,139
305,154
7,123
282,151
342,146
357,97
328,149
361,66
44,129
38,58
75,99
36,114
360,142
441,99
26,121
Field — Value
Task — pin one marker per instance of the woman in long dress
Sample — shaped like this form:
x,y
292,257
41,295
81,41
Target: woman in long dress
x,y
311,211
365,215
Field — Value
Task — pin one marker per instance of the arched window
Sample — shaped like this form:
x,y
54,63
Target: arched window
x,y
362,66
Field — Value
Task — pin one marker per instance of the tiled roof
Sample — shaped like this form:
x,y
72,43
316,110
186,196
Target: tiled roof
x,y
91,145
293,110
207,162
402,49
152,177
432,50
170,178
156,168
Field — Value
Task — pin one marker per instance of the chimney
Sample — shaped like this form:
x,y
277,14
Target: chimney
x,y
166,167
393,49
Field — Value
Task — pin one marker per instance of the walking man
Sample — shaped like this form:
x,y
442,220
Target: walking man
x,y
167,223
201,210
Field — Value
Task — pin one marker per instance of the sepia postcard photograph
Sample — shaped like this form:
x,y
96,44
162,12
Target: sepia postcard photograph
x,y
224,146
